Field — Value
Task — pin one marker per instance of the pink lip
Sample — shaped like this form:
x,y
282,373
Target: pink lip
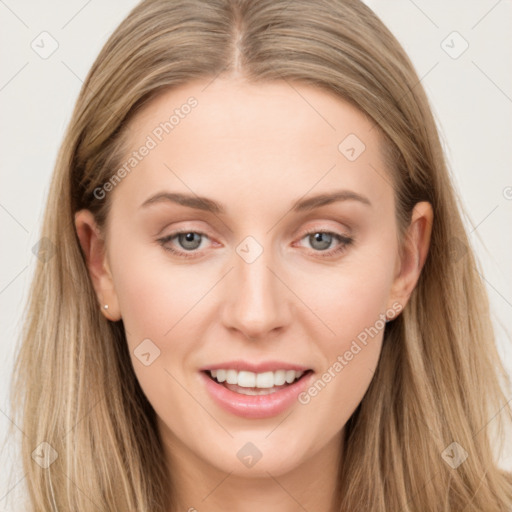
x,y
264,366
255,406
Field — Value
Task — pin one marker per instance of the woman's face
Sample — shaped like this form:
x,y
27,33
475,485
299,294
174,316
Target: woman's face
x,y
254,174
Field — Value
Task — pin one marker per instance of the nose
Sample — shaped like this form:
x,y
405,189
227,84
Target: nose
x,y
258,303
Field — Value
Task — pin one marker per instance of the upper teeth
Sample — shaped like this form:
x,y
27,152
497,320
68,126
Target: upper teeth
x,y
256,380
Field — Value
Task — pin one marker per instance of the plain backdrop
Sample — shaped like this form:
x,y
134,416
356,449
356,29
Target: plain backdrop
x,y
462,52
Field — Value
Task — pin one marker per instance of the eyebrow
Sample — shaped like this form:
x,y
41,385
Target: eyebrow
x,y
209,205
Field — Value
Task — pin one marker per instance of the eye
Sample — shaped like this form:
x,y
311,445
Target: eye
x,y
186,243
320,241
189,241
327,242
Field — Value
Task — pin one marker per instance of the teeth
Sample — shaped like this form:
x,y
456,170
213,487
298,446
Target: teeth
x,y
256,380
231,376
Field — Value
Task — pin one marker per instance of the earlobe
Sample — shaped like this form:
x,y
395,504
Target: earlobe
x,y
414,253
94,250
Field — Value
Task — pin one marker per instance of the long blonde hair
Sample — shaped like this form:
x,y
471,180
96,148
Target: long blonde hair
x,y
439,379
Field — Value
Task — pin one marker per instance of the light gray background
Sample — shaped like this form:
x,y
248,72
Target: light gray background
x,y
471,97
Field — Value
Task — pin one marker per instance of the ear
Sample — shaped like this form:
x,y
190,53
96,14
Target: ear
x,y
93,247
414,253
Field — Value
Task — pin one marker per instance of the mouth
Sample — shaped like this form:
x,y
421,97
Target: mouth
x,y
256,384
255,395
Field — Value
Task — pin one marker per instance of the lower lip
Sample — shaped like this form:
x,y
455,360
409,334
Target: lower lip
x,y
255,406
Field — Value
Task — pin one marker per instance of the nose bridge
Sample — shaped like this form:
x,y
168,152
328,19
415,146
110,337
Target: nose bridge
x,y
257,302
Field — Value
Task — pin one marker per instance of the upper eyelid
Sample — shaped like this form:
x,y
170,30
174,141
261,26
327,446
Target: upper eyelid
x,y
317,227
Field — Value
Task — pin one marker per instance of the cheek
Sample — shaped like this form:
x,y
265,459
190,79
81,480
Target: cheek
x,y
159,303
347,300
350,356
153,293
350,304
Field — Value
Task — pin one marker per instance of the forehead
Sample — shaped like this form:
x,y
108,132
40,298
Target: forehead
x,y
280,135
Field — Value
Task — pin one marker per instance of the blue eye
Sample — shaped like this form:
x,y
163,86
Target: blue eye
x,y
322,241
189,241
185,244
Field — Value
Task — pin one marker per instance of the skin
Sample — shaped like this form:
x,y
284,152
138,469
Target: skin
x,y
256,150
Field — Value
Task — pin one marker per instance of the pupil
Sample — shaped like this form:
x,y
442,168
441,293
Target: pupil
x,y
320,241
190,240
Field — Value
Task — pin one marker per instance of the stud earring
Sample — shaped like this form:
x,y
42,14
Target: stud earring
x,y
105,306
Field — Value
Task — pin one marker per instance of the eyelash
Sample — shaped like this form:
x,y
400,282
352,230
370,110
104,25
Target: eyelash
x,y
344,240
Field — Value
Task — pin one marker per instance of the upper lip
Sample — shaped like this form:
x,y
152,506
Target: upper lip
x,y
263,366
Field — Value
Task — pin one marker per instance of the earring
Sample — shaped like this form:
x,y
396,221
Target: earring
x,y
105,306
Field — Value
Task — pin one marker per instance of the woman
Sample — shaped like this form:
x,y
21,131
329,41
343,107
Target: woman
x,y
262,295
